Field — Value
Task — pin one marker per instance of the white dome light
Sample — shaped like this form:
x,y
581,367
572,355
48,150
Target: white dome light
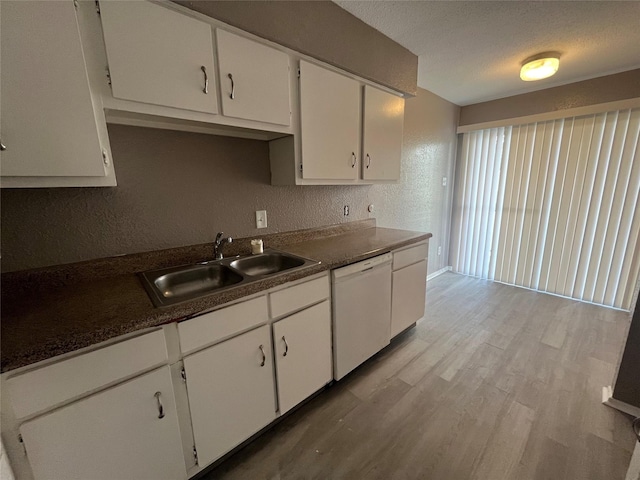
x,y
540,66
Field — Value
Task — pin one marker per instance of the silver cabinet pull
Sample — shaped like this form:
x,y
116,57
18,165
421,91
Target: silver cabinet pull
x,y
353,160
160,406
264,357
286,346
368,160
233,88
2,147
206,79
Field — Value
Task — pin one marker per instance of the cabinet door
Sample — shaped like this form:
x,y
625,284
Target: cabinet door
x,y
159,56
254,80
382,135
231,392
330,124
303,354
48,123
408,297
117,433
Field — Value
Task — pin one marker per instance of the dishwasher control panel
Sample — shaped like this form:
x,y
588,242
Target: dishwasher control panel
x,y
363,265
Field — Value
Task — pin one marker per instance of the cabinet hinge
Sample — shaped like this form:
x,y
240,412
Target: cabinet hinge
x,y
98,7
75,4
105,157
108,73
300,169
195,454
298,73
183,374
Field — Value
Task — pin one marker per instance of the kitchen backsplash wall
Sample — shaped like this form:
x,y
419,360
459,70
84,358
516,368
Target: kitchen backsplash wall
x,y
178,188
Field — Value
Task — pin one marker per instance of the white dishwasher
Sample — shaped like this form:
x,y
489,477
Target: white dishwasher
x,y
361,312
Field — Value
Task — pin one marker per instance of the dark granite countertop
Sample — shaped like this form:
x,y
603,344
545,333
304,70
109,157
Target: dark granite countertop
x,y
57,310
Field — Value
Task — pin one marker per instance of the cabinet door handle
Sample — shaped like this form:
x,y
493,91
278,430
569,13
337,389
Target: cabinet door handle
x,y
233,88
2,147
160,406
264,357
286,346
353,160
368,160
206,79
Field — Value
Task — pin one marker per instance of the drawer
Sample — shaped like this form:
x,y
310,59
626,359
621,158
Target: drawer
x,y
299,296
410,255
45,387
209,328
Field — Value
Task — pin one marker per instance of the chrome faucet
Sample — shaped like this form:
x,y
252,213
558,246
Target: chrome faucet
x,y
218,244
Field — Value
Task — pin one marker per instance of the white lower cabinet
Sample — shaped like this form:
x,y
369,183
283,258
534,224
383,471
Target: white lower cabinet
x,y
409,287
118,411
128,431
303,354
231,392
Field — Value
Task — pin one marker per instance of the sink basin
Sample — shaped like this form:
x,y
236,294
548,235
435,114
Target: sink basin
x,y
183,283
173,285
266,264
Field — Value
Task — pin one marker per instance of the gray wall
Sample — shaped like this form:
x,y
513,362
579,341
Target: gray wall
x,y
323,30
419,201
609,88
178,188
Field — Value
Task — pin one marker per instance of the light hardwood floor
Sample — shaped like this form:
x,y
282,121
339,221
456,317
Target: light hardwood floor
x,y
496,383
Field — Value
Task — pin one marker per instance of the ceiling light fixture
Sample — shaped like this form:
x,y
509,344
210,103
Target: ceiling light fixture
x,y
540,66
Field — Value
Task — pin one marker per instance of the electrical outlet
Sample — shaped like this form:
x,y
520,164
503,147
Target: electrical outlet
x,y
439,250
261,219
444,181
346,210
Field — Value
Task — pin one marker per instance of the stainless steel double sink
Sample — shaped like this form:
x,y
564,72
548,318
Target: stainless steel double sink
x,y
172,285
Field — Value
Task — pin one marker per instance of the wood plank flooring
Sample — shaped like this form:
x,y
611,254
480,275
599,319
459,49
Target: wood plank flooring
x,y
496,383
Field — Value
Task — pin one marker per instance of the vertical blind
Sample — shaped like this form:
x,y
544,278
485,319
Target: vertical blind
x,y
552,206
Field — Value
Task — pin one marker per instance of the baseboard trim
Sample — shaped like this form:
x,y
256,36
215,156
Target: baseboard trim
x,y
609,401
439,272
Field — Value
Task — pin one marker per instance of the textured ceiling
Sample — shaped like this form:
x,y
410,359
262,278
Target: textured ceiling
x,y
471,51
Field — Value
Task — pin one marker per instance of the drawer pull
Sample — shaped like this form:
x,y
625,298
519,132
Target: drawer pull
x,y
286,346
353,159
264,357
160,406
368,160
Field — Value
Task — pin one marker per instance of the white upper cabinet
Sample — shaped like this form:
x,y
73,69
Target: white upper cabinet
x,y
349,133
159,56
254,80
330,124
52,133
129,431
382,135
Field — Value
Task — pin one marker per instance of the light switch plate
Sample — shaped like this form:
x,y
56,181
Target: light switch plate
x,y
261,219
